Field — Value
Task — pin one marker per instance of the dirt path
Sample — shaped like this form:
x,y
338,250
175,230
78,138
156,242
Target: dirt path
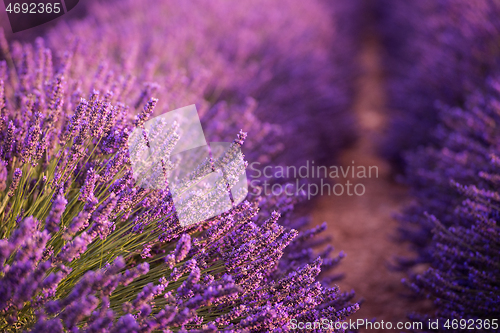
x,y
362,226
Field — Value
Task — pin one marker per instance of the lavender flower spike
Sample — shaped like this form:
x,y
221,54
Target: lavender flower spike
x,y
54,218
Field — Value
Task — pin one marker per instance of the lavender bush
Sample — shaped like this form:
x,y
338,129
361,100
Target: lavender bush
x,y
192,49
434,51
82,249
455,183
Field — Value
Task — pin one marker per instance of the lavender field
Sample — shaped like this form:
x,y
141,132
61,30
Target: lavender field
x,y
360,170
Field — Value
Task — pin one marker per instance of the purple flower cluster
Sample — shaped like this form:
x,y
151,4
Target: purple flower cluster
x,y
82,249
435,50
455,184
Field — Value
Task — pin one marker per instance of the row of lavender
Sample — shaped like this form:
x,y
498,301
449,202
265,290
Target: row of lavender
x,y
443,62
254,56
435,51
82,249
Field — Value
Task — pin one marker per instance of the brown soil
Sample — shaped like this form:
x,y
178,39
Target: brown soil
x,y
363,226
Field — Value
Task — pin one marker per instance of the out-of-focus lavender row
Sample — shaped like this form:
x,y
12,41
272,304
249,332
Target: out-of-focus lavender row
x,y
455,184
434,51
442,59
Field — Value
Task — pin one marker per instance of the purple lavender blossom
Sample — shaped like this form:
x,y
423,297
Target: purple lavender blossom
x,y
54,218
16,178
3,176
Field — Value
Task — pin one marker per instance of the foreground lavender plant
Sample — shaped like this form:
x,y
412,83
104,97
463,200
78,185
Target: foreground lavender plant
x,y
82,249
455,184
